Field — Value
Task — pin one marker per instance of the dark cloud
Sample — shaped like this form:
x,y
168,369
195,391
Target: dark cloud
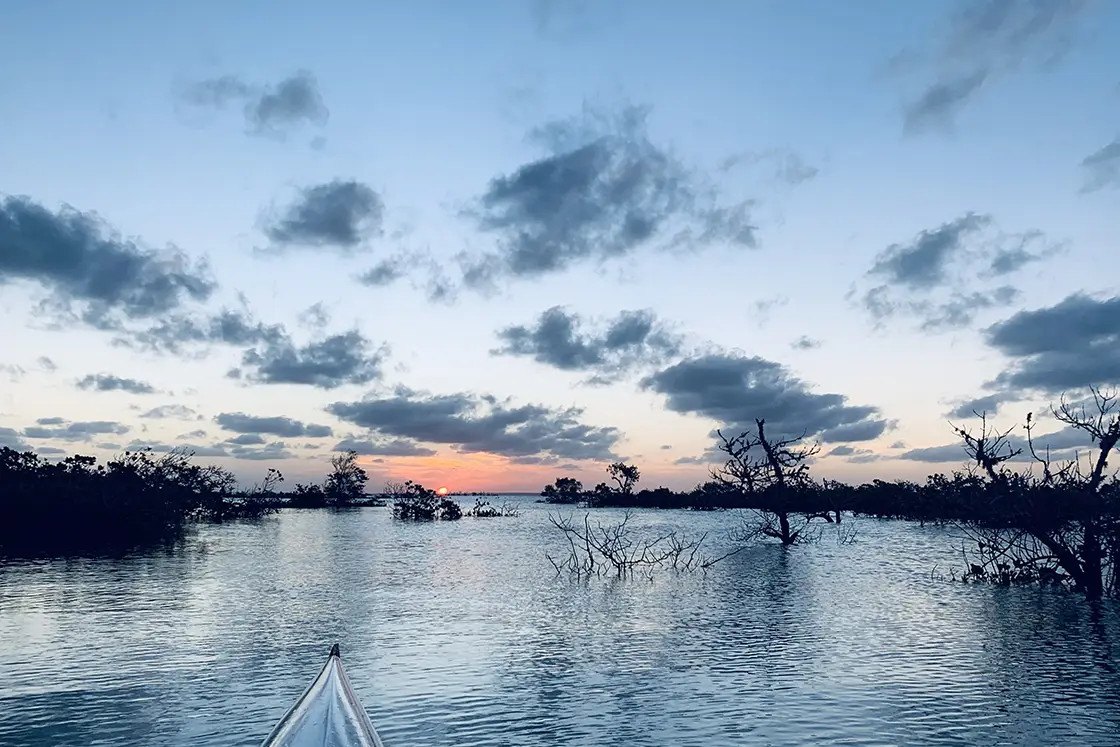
x,y
928,278
962,308
109,383
733,390
984,41
10,438
1071,345
603,191
987,404
63,430
239,422
269,110
1013,257
175,333
396,447
629,340
346,358
195,434
92,273
473,423
923,263
1063,444
178,412
385,272
339,215
805,343
270,355
852,455
1102,168
246,439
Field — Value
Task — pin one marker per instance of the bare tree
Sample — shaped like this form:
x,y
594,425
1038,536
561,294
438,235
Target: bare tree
x,y
616,549
769,471
1061,527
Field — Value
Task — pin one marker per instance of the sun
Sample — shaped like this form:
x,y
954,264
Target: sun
x,y
443,491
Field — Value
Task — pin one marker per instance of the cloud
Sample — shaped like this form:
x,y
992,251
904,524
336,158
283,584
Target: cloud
x,y
928,277
805,343
91,273
339,215
923,263
787,167
984,41
269,452
1102,167
158,447
1063,444
733,390
631,339
988,404
103,382
396,447
239,422
603,190
192,435
1070,345
346,358
13,372
10,438
852,455
270,355
178,412
175,333
246,439
386,272
272,111
63,430
473,423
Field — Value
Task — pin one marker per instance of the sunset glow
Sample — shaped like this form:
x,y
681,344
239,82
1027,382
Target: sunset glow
x,y
443,491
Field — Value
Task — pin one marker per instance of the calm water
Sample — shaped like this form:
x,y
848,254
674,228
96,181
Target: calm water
x,y
461,634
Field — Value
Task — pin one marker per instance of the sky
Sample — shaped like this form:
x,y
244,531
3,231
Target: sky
x,y
489,244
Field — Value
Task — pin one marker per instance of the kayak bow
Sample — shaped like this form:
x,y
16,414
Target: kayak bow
x,y
328,714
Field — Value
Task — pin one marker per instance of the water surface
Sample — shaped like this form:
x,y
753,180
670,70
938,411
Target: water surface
x,y
461,634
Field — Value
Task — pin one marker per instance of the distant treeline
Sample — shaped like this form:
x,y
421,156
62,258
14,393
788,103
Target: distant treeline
x,y
1052,524
138,499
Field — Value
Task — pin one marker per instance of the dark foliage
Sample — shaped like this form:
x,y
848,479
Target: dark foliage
x,y
413,502
137,499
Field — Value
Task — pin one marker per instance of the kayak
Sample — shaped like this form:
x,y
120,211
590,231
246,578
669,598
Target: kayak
x,y
328,714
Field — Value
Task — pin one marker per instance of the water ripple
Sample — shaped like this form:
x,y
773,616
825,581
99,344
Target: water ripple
x,y
460,634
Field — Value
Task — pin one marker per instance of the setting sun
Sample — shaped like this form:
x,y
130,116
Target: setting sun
x,y
443,491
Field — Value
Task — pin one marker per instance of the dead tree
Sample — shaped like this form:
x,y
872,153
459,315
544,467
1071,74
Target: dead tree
x,y
768,472
1060,527
618,550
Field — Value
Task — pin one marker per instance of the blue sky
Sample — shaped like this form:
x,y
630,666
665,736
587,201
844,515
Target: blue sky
x,y
847,218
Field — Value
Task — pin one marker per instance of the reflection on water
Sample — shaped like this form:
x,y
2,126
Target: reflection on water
x,y
460,634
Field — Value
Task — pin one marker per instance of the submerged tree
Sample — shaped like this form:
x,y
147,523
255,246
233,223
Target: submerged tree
x,y
564,490
770,471
1060,527
346,484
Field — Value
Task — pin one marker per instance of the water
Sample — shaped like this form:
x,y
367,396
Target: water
x,y
461,634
